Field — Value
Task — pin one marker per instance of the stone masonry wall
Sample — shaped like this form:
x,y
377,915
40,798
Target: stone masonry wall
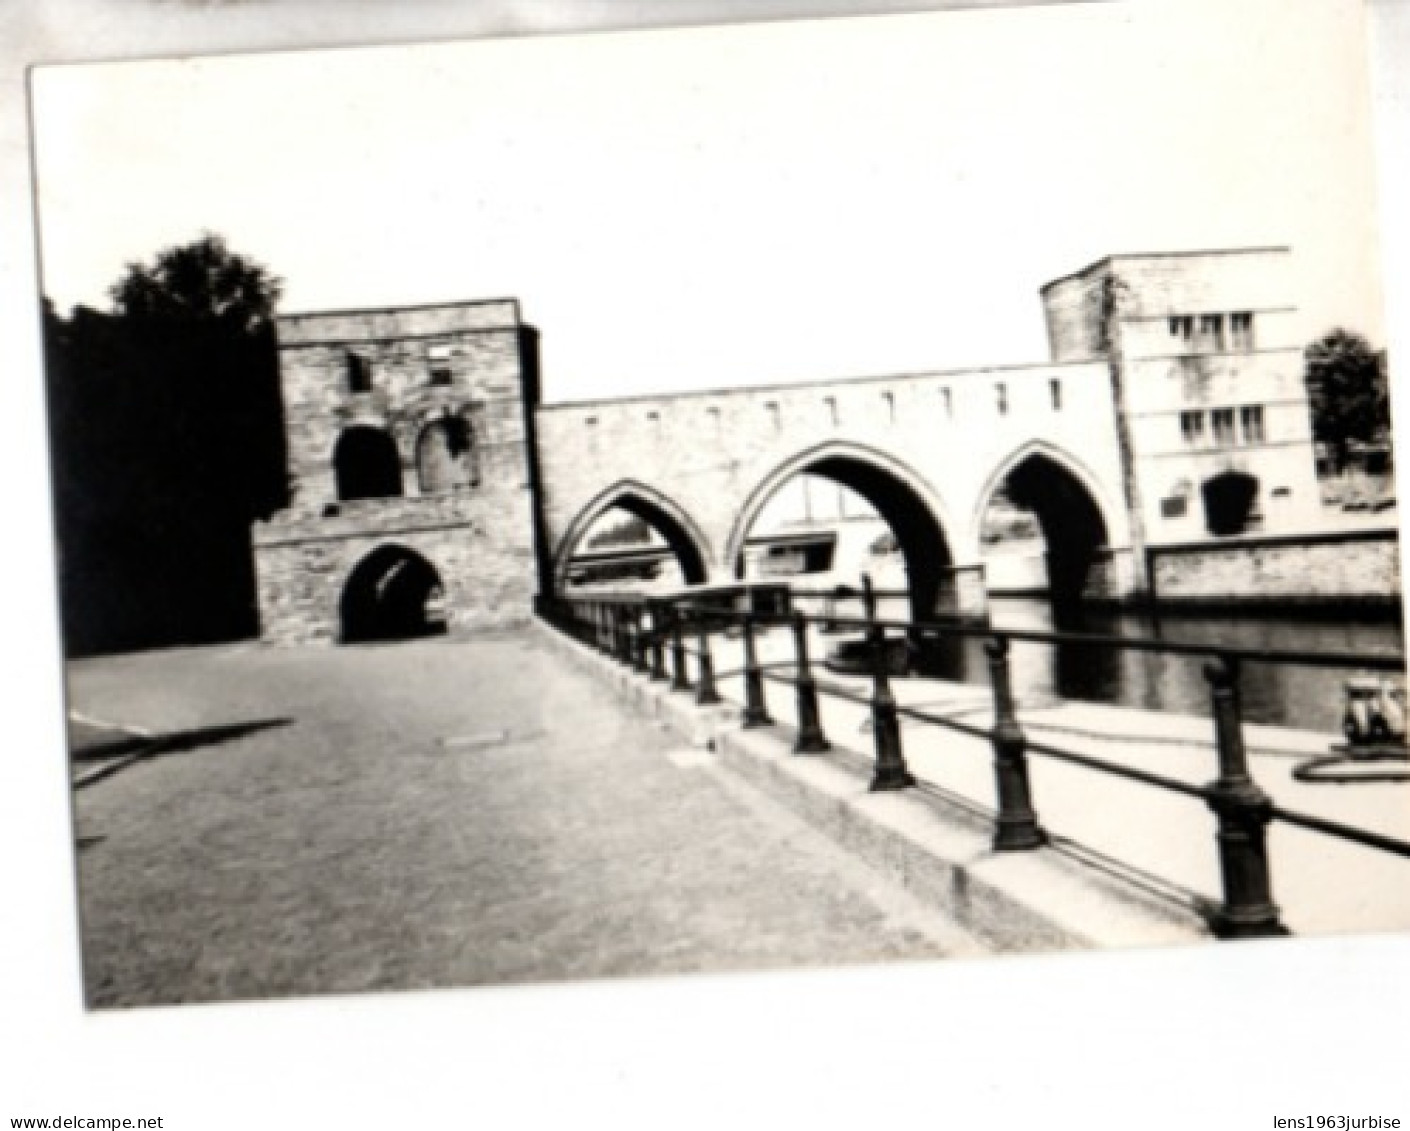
x,y
478,538
1360,568
483,554
712,458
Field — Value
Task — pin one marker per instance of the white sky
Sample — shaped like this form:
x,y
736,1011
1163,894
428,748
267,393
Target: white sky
x,y
743,204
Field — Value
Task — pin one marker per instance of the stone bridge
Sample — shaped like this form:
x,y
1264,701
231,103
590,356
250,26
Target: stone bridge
x,y
432,489
927,451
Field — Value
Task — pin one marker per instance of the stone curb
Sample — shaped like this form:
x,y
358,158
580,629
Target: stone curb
x,y
1058,897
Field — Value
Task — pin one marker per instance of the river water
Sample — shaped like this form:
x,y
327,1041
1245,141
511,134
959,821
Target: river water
x,y
1309,698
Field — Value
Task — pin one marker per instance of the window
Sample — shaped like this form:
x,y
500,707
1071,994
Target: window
x,y
359,373
438,361
949,400
445,456
1251,423
1241,331
1055,391
366,464
1211,331
832,416
774,416
890,399
1182,326
1002,393
1174,506
1192,428
1223,421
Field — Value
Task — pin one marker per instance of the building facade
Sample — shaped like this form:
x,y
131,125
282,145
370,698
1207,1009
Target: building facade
x,y
409,440
1208,377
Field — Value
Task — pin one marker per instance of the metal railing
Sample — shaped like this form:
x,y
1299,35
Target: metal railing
x,y
644,632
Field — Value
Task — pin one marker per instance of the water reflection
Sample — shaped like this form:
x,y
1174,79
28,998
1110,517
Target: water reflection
x,y
1304,697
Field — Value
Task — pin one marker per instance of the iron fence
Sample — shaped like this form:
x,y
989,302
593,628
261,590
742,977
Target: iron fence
x,y
663,637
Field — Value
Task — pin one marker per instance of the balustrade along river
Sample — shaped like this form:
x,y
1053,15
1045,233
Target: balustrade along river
x,y
1305,697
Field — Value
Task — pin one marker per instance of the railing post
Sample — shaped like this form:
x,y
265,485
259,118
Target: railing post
x,y
621,648
1018,826
706,694
811,739
680,680
641,655
756,711
1243,811
658,642
891,771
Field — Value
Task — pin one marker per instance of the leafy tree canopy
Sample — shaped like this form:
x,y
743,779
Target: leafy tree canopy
x,y
1348,388
201,282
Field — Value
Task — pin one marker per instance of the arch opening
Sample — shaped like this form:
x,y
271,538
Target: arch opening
x,y
632,543
392,594
1230,501
839,516
1042,532
446,458
366,464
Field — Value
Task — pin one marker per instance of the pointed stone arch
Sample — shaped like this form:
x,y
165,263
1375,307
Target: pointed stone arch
x,y
681,532
1080,524
901,496
1113,516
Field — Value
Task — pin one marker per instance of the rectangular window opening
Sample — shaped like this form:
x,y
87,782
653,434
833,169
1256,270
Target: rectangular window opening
x,y
1241,330
1211,331
1002,394
438,362
1223,422
1192,428
359,373
1251,422
1055,391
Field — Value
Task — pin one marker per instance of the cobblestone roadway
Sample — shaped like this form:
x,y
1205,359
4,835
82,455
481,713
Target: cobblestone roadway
x,y
435,814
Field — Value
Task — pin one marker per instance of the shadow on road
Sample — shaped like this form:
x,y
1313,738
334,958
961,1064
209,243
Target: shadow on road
x,y
107,758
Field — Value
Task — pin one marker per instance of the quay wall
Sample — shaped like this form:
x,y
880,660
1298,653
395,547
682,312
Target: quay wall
x,y
1351,568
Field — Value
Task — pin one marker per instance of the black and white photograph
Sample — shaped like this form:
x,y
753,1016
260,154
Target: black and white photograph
x,y
906,490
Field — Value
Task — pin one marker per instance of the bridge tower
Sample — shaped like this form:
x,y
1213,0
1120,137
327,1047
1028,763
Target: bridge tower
x,y
1213,421
410,436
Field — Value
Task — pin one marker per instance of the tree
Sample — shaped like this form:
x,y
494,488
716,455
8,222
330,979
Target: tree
x,y
167,442
202,284
1349,392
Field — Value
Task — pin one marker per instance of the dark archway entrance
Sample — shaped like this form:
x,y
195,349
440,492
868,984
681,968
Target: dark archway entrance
x,y
1040,499
1229,503
393,594
366,464
635,542
904,529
